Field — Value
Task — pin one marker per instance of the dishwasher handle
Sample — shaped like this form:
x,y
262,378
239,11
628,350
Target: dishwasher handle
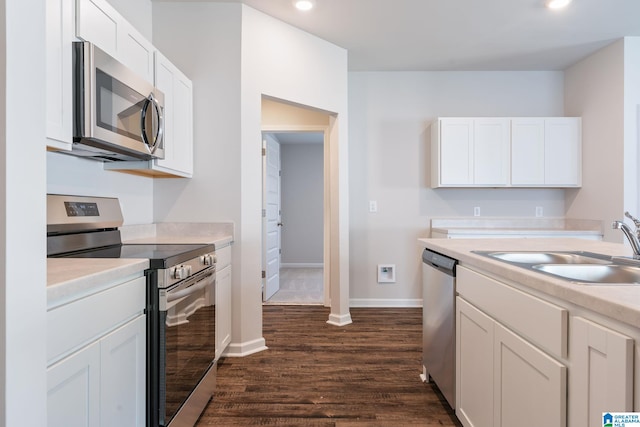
x,y
441,262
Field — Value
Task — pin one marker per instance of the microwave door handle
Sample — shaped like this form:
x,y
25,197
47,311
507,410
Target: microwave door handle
x,y
160,133
152,145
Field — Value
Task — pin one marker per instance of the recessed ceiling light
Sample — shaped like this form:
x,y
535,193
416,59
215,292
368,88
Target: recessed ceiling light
x,y
304,4
557,4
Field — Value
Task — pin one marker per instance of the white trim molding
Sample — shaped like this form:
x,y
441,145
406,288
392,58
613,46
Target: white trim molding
x,y
337,320
246,348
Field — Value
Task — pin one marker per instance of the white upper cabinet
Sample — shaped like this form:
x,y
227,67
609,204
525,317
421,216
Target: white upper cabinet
x,y
178,126
178,112
59,107
469,152
563,151
99,23
506,152
96,21
546,152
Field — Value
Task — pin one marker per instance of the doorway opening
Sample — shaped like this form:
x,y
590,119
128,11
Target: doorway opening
x,y
293,221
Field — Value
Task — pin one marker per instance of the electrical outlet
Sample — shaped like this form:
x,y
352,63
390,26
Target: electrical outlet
x,y
373,206
539,211
476,211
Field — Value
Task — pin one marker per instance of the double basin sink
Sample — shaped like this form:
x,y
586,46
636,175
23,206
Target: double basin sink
x,y
577,266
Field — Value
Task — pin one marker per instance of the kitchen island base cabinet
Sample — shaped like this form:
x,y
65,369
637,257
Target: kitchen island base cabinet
x,y
600,379
474,364
530,388
502,380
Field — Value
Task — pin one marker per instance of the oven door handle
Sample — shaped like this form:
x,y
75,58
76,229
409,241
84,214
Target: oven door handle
x,y
196,287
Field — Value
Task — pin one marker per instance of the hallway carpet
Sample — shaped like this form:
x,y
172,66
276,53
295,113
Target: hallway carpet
x,y
316,374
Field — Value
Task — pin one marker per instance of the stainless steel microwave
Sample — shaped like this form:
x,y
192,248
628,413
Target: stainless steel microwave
x,y
118,115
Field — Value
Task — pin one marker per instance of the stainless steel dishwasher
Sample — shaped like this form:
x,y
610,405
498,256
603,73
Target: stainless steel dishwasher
x,y
438,322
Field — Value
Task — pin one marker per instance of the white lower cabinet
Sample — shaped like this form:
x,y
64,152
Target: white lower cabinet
x,y
101,385
223,300
530,388
123,376
474,365
601,377
96,370
503,380
73,390
526,361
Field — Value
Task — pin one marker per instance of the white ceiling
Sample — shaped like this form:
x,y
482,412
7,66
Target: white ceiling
x,y
435,35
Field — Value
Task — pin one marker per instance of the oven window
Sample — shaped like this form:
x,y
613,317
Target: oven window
x,y
190,346
118,106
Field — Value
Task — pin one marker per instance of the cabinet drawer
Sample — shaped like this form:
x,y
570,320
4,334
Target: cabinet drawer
x,y
515,309
80,322
223,257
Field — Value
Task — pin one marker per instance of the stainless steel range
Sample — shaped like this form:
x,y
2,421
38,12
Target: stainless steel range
x,y
180,307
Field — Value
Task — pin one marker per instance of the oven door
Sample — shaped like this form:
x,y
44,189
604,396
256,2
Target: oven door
x,y
115,109
186,349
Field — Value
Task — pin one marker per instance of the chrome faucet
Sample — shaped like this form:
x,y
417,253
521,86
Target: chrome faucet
x,y
632,237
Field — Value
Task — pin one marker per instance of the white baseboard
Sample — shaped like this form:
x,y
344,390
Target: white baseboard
x,y
340,319
246,348
385,303
301,265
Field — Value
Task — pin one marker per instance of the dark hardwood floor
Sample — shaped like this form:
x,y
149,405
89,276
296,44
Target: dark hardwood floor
x,y
315,374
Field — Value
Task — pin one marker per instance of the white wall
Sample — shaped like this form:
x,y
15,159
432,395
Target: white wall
x,y
390,114
594,89
283,62
22,215
82,177
632,125
235,55
302,203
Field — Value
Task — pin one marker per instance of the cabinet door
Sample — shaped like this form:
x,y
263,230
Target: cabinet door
x,y
223,310
135,51
527,151
530,387
97,22
601,378
491,152
178,113
123,373
73,390
456,151
59,75
563,151
474,366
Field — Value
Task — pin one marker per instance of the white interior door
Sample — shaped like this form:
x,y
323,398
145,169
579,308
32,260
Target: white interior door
x,y
271,218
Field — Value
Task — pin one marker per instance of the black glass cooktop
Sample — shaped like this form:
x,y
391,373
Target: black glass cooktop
x,y
159,255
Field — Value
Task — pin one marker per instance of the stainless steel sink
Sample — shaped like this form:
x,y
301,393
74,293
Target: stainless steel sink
x,y
593,273
555,257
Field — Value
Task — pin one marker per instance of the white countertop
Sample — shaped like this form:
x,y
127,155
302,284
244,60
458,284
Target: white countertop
x,y
69,279
619,302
